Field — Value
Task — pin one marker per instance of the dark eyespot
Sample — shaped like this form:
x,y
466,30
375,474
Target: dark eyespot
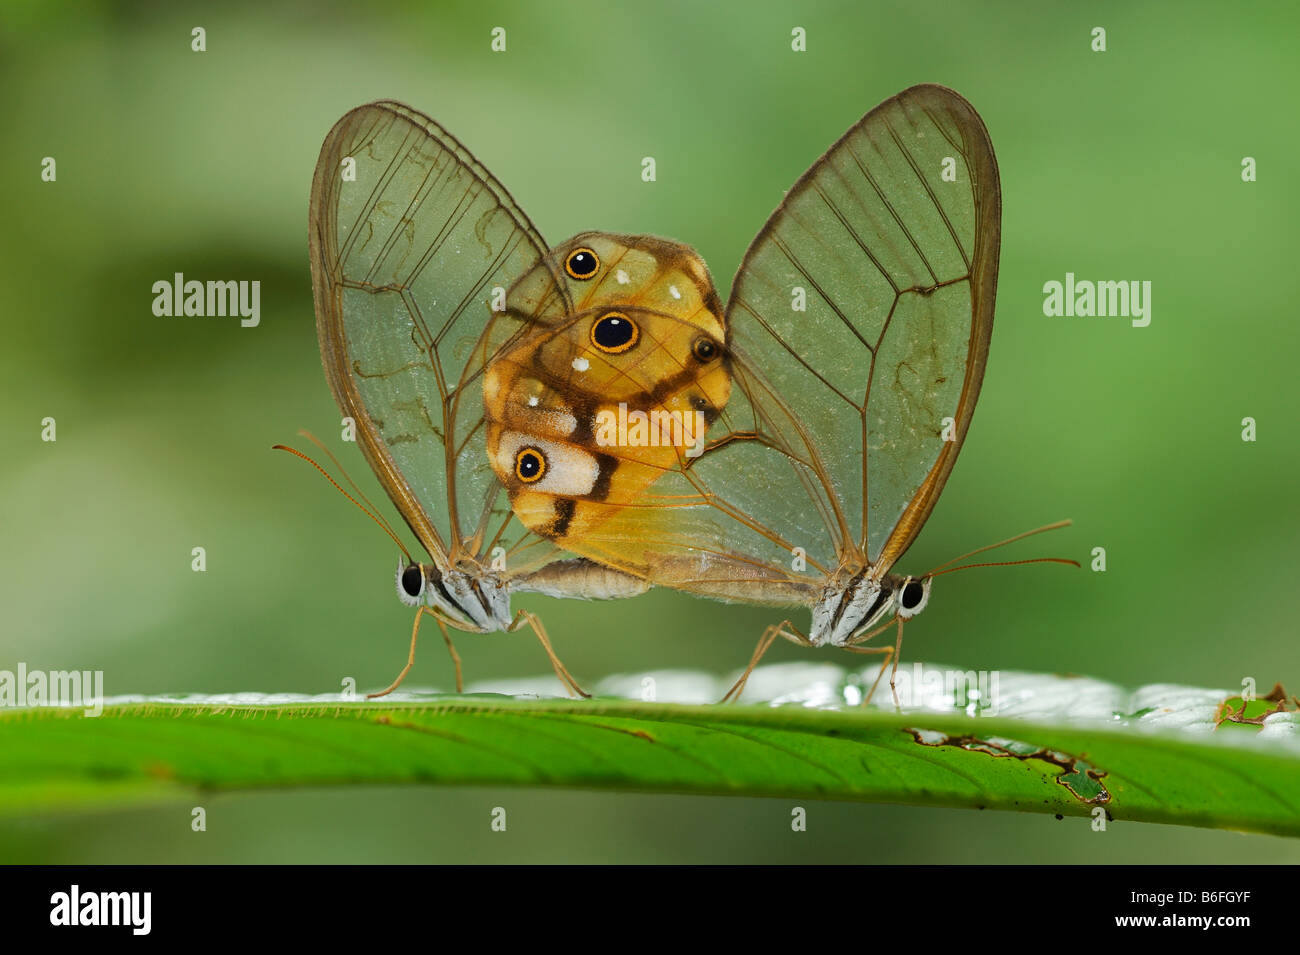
x,y
614,333
582,263
412,580
913,594
530,465
704,349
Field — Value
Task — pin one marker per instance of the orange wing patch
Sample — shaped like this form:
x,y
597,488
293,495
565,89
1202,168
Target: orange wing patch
x,y
588,411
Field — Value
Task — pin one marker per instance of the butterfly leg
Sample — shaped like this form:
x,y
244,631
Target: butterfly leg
x,y
889,652
898,652
784,629
561,671
894,652
455,657
410,658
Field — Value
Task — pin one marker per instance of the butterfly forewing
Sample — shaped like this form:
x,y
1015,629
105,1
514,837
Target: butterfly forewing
x,y
890,244
410,239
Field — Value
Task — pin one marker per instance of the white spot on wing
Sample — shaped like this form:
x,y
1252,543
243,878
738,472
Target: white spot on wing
x,y
492,385
672,290
581,364
562,421
622,277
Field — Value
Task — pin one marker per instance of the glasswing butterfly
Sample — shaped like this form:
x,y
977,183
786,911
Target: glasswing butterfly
x,y
836,386
411,242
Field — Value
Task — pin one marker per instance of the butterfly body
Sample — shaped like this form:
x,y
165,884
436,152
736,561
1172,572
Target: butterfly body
x,y
478,601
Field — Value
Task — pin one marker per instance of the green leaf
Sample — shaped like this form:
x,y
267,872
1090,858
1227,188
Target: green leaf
x,y
1057,745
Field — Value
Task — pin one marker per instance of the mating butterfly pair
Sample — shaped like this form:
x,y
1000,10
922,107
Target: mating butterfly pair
x,y
589,420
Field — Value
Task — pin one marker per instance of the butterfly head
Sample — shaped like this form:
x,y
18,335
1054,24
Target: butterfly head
x,y
846,612
472,602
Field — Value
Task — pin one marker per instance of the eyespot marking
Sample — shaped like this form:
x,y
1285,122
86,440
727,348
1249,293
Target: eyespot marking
x,y
615,333
704,349
582,263
530,465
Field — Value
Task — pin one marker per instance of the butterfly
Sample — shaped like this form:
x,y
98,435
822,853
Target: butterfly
x,y
411,239
836,386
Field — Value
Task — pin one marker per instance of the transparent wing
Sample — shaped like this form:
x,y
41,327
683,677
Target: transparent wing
x,y
858,333
410,236
865,307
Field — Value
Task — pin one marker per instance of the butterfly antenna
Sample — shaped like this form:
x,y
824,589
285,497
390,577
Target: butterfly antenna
x,y
387,530
946,568
1009,563
374,511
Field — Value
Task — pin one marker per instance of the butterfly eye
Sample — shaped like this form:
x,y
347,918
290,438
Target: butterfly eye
x,y
614,333
582,263
704,349
412,580
530,465
913,598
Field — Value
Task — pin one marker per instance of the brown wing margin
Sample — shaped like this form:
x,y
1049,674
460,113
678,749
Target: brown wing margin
x,y
987,190
348,134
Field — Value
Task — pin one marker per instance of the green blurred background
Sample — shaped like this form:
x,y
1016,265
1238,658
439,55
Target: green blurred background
x,y
1119,165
